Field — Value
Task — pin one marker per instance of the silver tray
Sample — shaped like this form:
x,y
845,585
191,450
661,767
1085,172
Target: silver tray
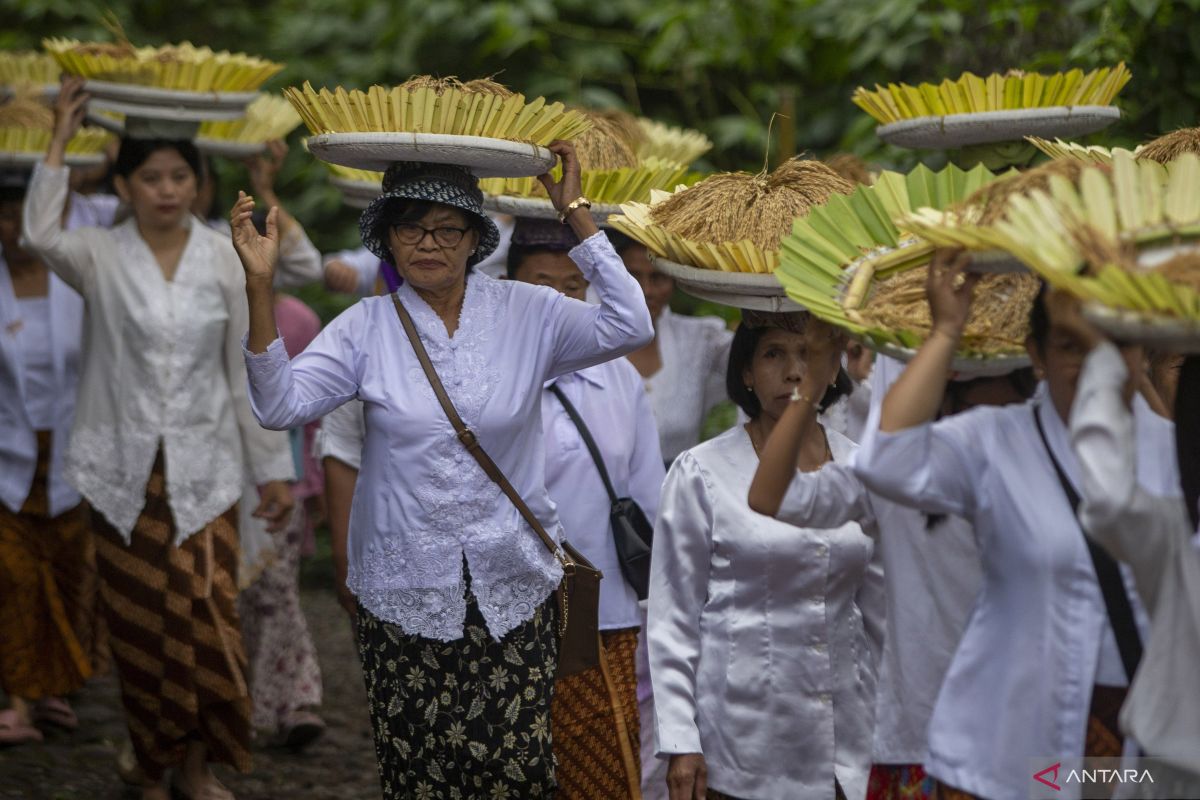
x,y
485,157
990,127
756,291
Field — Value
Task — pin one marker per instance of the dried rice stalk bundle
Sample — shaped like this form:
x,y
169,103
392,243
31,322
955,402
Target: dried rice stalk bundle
x,y
736,206
1183,270
1093,154
1171,146
997,326
612,186
629,125
670,143
268,117
27,125
972,94
605,145
851,167
27,67
475,109
440,86
183,67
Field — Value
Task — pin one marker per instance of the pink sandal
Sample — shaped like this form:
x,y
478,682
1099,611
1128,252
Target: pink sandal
x,y
57,712
13,731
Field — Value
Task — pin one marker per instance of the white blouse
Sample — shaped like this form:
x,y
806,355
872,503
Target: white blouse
x,y
36,342
1153,535
1020,682
421,501
691,381
163,367
764,636
614,407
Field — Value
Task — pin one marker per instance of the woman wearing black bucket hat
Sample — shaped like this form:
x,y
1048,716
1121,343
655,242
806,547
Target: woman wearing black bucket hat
x,y
456,624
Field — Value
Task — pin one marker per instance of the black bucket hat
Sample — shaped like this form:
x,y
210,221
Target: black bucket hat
x,y
430,183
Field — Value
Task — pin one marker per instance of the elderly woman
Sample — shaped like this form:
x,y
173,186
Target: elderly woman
x,y
765,633
457,627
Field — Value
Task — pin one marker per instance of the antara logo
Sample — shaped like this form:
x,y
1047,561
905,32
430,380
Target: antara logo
x,y
1052,781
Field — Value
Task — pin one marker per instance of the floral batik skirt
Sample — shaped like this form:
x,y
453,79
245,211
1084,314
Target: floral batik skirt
x,y
462,719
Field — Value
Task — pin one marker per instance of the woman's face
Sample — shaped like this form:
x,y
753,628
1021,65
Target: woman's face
x,y
780,362
553,269
437,260
656,286
161,191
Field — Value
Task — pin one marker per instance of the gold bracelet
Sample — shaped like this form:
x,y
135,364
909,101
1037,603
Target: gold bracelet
x,y
576,204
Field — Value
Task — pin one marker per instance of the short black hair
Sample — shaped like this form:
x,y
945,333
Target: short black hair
x,y
741,354
402,210
135,152
1039,319
13,184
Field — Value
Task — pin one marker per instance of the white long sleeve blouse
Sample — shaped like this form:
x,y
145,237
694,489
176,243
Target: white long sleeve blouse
x,y
691,381
1038,639
163,366
1153,535
422,502
613,404
763,636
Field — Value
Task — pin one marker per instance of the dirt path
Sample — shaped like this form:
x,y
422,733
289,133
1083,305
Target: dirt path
x,y
341,765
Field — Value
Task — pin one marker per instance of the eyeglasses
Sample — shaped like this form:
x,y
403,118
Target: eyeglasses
x,y
412,233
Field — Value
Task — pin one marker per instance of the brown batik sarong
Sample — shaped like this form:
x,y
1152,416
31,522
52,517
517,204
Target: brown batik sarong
x,y
47,594
173,629
596,726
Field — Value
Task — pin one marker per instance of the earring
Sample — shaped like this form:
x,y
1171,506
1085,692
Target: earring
x,y
749,388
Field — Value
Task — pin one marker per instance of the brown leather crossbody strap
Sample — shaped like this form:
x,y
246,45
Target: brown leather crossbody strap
x,y
467,436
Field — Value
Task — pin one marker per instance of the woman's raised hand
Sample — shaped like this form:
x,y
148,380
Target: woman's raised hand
x,y
825,345
69,109
569,188
950,291
258,253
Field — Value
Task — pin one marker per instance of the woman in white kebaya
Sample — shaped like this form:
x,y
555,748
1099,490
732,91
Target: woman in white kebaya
x,y
1039,671
764,633
162,430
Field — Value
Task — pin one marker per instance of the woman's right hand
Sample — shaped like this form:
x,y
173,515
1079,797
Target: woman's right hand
x,y
687,777
258,253
950,291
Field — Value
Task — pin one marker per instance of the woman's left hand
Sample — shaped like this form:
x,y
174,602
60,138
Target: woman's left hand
x,y
570,187
275,505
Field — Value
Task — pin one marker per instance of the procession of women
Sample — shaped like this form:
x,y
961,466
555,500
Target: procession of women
x,y
917,515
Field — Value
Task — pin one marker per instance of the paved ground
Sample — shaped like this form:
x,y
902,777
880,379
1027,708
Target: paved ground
x,y
341,765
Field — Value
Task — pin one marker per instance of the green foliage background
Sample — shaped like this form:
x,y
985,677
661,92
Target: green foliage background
x,y
721,66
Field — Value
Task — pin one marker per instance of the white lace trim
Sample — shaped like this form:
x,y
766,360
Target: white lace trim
x,y
415,580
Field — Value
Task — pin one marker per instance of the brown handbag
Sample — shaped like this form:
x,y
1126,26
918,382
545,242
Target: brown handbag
x,y
579,593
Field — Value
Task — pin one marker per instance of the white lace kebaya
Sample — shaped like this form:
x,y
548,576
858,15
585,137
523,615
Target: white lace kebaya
x,y
162,365
421,502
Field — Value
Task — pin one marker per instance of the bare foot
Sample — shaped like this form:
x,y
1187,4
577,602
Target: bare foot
x,y
201,786
155,791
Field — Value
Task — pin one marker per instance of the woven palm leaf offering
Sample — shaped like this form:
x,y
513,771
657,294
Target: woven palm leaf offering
x,y
971,224
27,125
358,186
478,124
26,69
997,109
670,143
1089,154
268,117
612,173
849,262
1125,239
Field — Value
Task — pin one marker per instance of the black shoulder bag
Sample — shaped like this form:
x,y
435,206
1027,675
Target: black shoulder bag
x,y
632,532
1108,573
